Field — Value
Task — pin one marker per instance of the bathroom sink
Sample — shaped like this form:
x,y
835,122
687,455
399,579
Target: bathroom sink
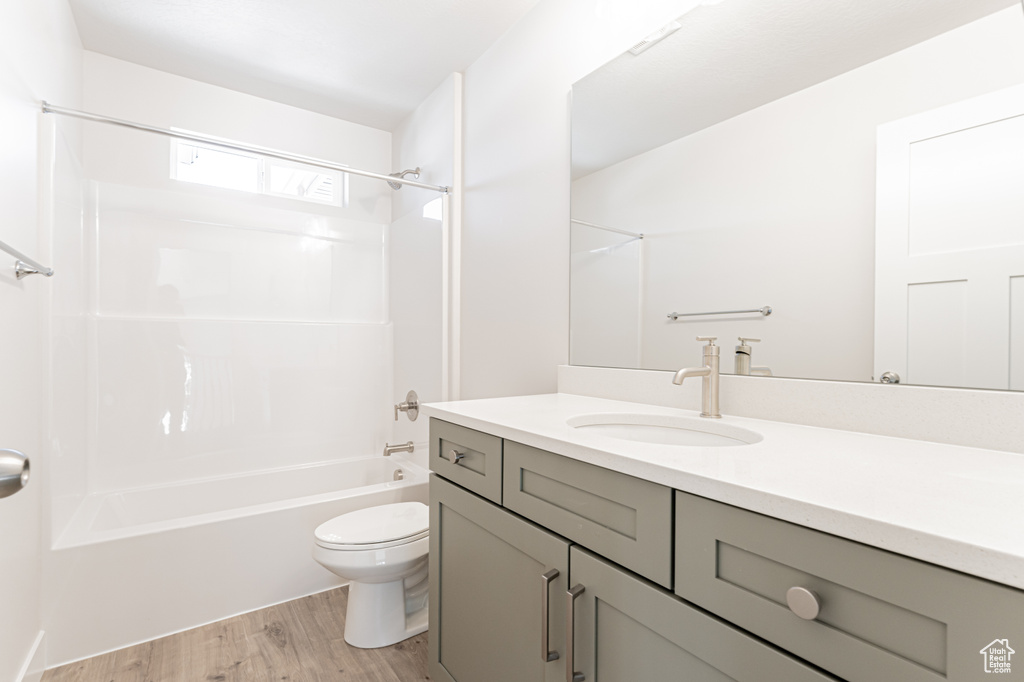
x,y
664,430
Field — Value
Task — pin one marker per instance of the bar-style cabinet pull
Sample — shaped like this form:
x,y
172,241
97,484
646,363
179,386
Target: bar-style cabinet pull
x,y
546,654
572,675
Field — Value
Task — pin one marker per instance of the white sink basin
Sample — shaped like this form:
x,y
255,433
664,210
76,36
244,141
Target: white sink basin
x,y
664,430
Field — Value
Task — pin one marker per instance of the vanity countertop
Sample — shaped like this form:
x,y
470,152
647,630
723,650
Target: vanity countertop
x,y
954,506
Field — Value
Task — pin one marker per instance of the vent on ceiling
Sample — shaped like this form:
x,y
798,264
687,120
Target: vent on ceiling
x,y
662,33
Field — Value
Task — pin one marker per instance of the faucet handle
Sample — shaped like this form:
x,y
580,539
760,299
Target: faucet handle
x,y
710,339
744,340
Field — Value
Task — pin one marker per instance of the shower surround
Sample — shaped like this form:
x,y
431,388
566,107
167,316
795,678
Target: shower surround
x,y
220,377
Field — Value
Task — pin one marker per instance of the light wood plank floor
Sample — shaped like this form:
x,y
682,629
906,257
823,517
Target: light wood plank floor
x,y
299,641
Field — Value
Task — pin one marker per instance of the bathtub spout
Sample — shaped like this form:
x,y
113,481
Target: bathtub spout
x,y
391,449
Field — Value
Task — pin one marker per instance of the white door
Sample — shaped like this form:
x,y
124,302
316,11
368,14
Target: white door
x,y
949,245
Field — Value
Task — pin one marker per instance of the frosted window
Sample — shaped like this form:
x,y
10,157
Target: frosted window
x,y
216,167
305,182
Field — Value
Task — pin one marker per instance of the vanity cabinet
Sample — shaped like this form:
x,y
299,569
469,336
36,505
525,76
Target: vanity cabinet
x,y
506,592
656,584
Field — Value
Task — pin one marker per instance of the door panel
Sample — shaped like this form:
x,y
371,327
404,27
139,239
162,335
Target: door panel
x,y
950,242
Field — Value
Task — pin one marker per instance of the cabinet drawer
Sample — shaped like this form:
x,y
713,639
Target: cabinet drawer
x,y
627,629
882,616
477,465
620,517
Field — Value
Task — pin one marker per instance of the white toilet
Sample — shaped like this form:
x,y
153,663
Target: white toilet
x,y
383,552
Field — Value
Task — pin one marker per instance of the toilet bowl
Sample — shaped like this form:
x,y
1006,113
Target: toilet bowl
x,y
382,551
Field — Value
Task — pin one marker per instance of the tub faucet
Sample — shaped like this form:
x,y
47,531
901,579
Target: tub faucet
x,y
392,449
709,383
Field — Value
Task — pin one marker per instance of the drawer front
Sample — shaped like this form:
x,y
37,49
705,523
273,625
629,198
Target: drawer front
x,y
626,629
478,455
625,519
882,616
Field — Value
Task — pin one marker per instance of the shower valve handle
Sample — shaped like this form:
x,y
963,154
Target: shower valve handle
x,y
411,406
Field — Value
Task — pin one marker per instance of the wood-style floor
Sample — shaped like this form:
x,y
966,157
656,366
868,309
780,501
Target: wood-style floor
x,y
299,641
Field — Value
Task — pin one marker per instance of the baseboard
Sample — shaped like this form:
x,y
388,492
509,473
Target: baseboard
x,y
35,662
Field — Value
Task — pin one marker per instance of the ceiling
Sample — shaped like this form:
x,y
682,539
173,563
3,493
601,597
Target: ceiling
x,y
367,61
740,54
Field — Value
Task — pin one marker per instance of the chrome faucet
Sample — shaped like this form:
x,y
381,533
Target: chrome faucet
x,y
709,372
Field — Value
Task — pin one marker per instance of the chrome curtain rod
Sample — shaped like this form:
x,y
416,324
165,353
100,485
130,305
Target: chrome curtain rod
x,y
638,235
766,311
25,266
263,151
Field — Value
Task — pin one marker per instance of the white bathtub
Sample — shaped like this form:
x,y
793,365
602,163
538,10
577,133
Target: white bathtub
x,y
148,562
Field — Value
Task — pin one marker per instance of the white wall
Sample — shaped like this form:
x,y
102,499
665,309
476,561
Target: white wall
x,y
515,239
426,139
40,58
777,207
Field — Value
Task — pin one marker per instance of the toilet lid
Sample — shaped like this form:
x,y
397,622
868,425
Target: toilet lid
x,y
374,525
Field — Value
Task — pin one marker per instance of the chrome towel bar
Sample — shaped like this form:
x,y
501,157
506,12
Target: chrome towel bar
x,y
766,311
25,266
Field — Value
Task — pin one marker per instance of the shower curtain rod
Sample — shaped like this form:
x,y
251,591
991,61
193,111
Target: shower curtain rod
x,y
263,151
637,235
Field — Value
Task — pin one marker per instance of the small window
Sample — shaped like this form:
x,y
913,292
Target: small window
x,y
304,182
217,167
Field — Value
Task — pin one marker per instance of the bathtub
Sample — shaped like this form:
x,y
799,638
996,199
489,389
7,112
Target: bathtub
x,y
139,564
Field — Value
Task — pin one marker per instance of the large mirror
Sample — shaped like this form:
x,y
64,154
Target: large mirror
x,y
855,168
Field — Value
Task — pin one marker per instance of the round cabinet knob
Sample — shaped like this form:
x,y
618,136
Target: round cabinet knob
x,y
890,378
454,456
14,472
803,602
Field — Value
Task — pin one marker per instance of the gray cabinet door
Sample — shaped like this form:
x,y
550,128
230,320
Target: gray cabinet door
x,y
487,592
629,630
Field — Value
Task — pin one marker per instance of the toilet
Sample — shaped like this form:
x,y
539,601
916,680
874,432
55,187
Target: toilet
x,y
382,551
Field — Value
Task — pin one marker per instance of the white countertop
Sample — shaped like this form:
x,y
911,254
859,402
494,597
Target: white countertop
x,y
955,506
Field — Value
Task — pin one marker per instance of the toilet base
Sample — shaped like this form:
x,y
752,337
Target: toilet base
x,y
382,614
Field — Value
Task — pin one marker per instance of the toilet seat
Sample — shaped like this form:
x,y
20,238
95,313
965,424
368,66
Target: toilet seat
x,y
341,547
372,528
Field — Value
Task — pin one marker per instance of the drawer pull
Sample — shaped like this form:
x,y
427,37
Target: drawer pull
x,y
570,674
454,456
570,636
546,654
803,602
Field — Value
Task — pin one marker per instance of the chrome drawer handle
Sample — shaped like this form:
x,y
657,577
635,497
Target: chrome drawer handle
x,y
572,675
546,654
803,602
454,456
